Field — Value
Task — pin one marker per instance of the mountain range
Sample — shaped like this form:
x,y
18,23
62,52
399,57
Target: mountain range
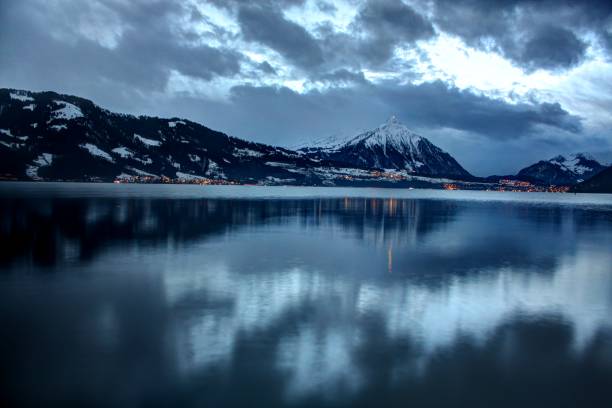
x,y
49,136
561,170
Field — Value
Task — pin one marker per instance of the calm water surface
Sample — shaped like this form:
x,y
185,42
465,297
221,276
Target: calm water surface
x,y
194,296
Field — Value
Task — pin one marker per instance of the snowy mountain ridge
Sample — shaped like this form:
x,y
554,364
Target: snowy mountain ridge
x,y
563,170
390,133
393,146
49,136
577,163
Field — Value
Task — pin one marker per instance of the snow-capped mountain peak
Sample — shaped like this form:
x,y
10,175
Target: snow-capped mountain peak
x,y
563,170
391,145
577,163
390,134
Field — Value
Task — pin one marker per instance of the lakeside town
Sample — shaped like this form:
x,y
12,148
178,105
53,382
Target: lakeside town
x,y
503,185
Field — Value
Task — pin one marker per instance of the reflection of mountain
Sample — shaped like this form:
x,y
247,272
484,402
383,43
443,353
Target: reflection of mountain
x,y
50,230
269,302
415,234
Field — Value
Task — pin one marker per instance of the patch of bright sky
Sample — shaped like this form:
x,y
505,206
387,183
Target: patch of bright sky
x,y
578,90
378,76
258,53
588,93
206,27
217,16
98,23
101,25
447,58
255,56
310,16
284,74
219,88
297,84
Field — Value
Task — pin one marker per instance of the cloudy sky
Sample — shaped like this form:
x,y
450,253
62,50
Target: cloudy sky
x,y
498,84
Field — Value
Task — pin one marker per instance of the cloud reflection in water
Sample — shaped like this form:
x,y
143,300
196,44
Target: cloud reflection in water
x,y
308,301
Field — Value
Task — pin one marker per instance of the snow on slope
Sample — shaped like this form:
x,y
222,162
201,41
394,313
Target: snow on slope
x,y
122,151
575,163
21,97
148,142
96,151
190,177
176,122
45,159
247,153
390,134
67,111
327,143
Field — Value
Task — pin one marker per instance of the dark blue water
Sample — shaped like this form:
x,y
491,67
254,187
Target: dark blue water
x,y
191,296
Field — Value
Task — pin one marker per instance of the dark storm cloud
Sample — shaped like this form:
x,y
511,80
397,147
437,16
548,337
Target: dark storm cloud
x,y
270,4
435,104
154,40
279,115
607,40
535,34
343,77
269,27
378,28
552,47
267,68
387,24
148,47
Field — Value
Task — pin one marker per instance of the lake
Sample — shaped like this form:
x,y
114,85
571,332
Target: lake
x,y
161,295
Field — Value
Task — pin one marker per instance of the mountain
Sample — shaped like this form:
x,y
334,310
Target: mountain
x,y
561,170
48,136
391,146
599,183
54,137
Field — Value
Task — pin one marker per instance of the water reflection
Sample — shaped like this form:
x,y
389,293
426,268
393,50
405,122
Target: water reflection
x,y
305,302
